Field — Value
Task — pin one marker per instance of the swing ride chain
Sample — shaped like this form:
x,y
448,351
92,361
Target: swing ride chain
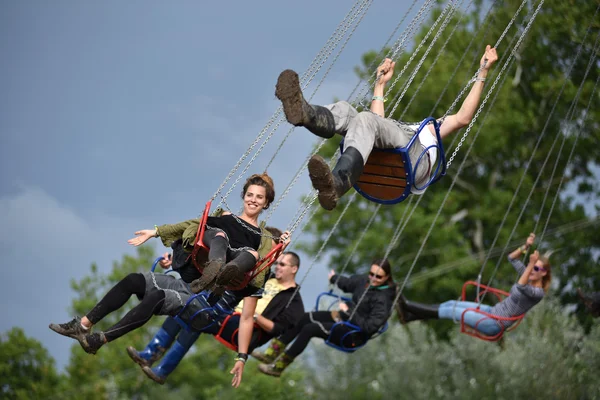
x,y
460,143
433,41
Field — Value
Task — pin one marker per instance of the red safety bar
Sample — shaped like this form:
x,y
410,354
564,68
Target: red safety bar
x,y
500,295
230,342
199,246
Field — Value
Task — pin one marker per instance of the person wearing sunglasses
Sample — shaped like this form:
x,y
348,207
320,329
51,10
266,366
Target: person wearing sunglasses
x,y
369,313
534,281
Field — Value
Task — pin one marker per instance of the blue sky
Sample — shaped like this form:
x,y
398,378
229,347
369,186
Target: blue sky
x,y
115,116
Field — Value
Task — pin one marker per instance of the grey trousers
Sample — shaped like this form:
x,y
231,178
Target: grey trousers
x,y
366,130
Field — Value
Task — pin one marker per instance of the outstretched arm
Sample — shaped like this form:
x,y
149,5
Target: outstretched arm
x,y
384,73
464,116
244,336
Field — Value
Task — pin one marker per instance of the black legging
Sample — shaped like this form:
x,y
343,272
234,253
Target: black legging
x,y
118,296
306,330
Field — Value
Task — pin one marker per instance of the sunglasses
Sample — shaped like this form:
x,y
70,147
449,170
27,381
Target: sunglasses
x,y
538,269
282,264
372,275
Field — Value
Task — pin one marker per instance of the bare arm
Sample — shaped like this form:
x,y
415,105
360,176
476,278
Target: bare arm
x,y
524,279
522,249
265,323
384,72
244,336
465,114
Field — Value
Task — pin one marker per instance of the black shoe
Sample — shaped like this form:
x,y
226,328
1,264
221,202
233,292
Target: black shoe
x,y
209,276
72,329
319,120
93,342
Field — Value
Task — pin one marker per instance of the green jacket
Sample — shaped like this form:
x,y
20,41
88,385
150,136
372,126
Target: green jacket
x,y
187,230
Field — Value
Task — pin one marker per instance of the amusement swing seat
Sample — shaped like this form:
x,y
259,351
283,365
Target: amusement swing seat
x,y
500,295
389,176
200,254
352,337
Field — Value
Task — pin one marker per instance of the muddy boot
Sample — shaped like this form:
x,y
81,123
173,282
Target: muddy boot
x,y
209,276
270,355
154,349
276,368
72,329
236,269
319,120
331,185
92,342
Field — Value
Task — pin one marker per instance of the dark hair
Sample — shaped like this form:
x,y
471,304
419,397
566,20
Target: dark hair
x,y
265,181
295,258
384,264
276,233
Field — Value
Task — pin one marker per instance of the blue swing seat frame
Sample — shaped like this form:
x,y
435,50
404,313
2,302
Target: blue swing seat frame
x,y
386,183
353,329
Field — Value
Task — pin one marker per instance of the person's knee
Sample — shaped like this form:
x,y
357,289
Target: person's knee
x,y
254,254
221,234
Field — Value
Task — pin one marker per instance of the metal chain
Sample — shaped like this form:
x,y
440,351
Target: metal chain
x,y
336,57
447,20
396,48
275,116
529,161
434,62
416,51
380,53
460,143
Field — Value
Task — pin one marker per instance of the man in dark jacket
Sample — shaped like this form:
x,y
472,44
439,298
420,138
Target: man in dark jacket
x,y
372,299
273,317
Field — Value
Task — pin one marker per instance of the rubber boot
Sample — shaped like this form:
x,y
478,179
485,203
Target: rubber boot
x,y
412,311
333,184
276,368
153,350
270,355
319,120
172,358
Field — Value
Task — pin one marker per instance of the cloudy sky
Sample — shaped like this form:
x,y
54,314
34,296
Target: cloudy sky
x,y
115,116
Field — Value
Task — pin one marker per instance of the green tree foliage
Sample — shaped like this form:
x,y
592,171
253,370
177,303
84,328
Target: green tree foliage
x,y
548,356
474,210
26,369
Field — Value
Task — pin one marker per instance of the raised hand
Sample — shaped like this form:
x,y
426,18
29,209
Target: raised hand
x,y
385,71
530,240
142,236
489,57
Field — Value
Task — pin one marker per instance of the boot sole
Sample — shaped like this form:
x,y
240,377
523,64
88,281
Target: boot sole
x,y
209,275
262,358
265,370
228,274
150,374
289,92
79,336
133,354
322,180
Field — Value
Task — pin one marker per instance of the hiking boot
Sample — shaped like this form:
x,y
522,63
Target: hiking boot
x,y
270,355
209,276
319,120
276,368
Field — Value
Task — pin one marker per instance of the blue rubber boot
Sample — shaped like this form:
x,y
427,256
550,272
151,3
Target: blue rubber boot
x,y
157,346
173,357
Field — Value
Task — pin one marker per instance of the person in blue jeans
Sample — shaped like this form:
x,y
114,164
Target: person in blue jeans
x,y
533,283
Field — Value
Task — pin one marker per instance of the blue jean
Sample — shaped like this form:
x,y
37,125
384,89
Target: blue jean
x,y
453,310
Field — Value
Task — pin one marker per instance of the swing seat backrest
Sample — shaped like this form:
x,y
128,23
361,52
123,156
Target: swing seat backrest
x,y
344,335
473,331
200,251
388,175
230,341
